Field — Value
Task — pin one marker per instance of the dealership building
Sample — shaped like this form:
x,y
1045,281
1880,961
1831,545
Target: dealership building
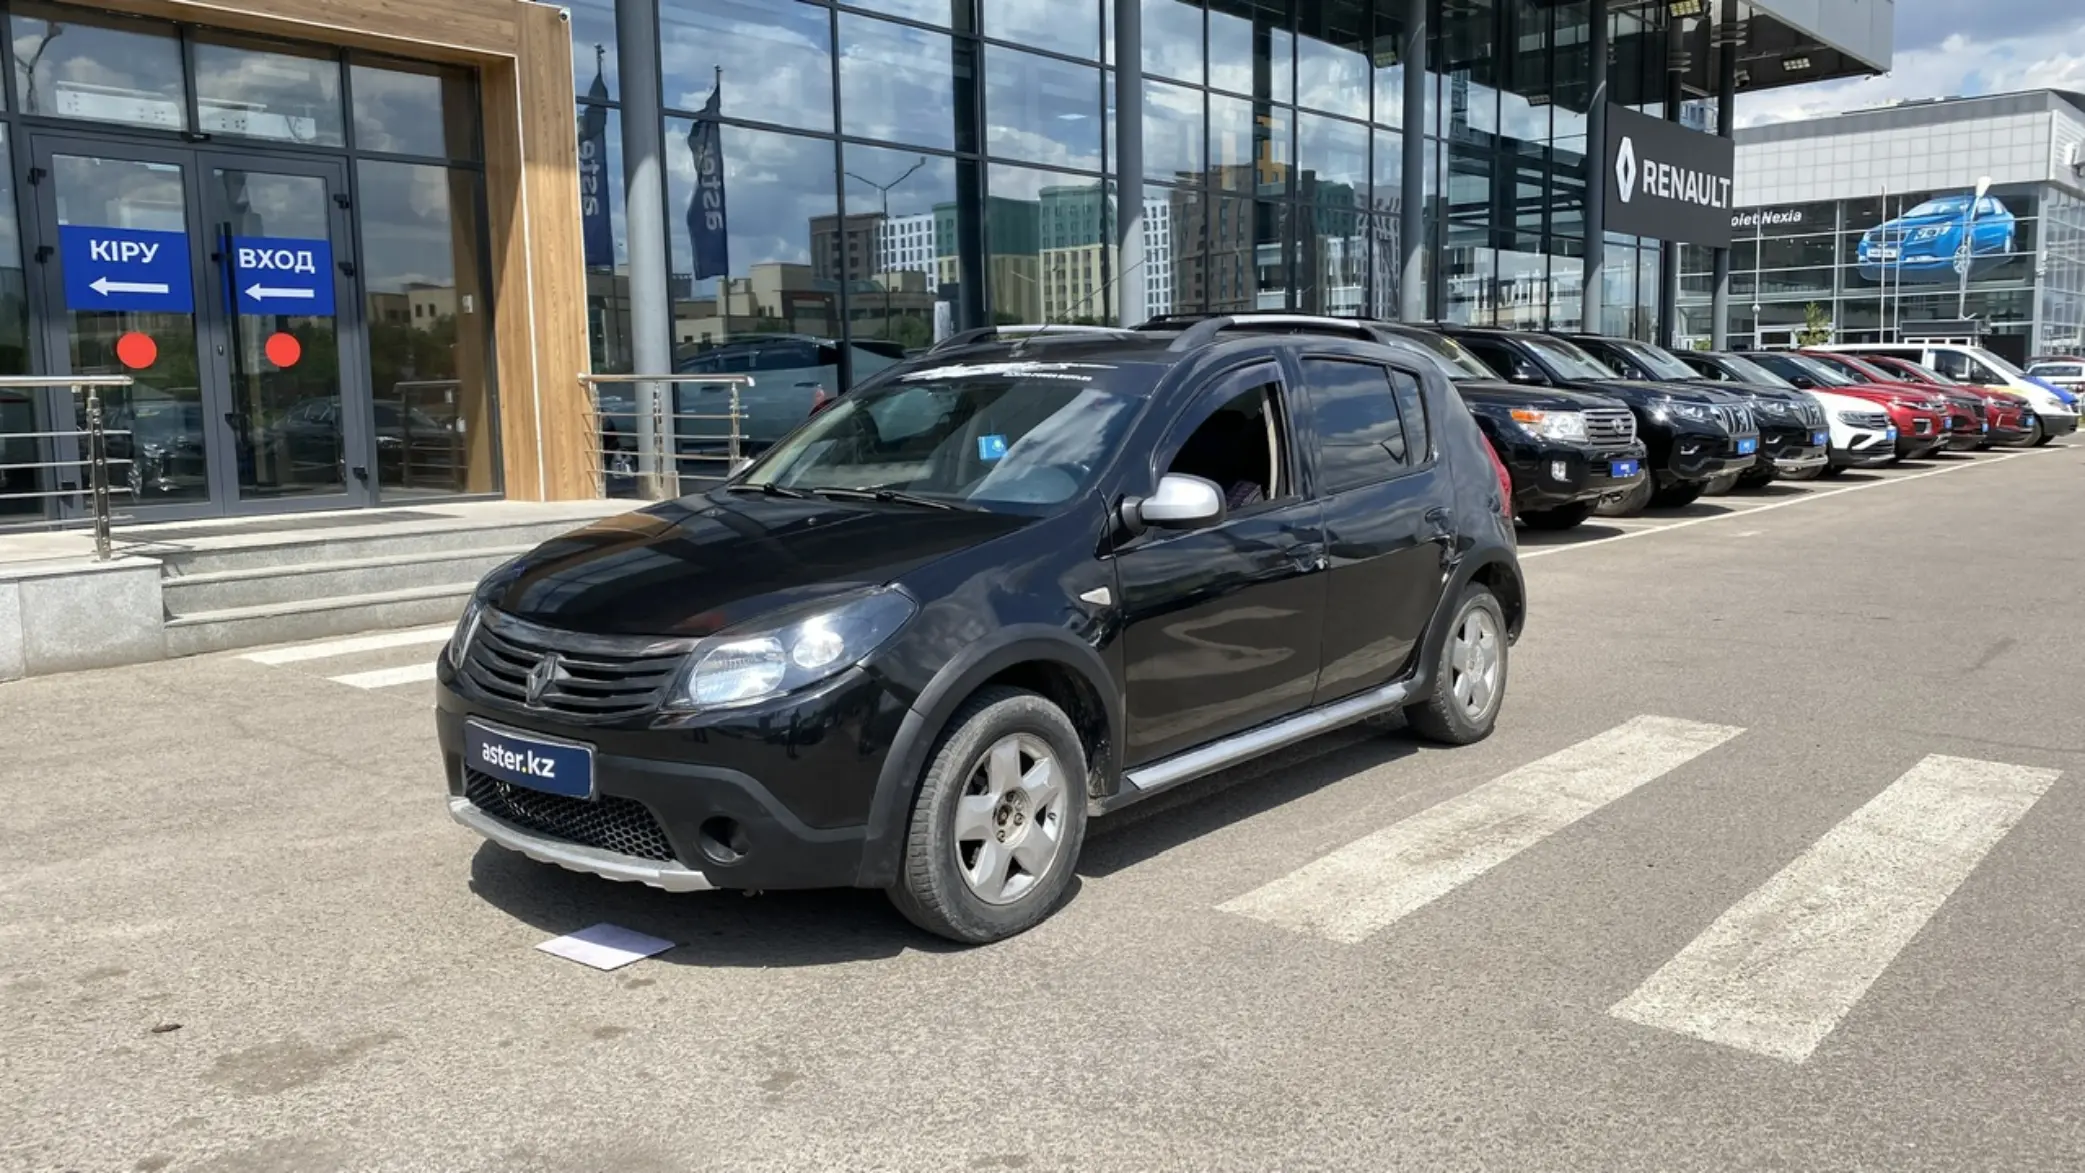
x,y
358,253
1860,220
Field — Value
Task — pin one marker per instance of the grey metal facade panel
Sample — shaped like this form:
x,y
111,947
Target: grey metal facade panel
x,y
1861,29
1904,116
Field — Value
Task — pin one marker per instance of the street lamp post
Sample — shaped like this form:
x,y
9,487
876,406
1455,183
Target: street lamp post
x,y
883,193
1968,250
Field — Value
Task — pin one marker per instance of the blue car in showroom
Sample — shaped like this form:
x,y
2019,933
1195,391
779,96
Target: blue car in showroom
x,y
1921,244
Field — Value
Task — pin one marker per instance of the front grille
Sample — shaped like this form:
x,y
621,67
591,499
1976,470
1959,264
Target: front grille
x,y
1737,420
1610,427
593,679
1812,414
609,824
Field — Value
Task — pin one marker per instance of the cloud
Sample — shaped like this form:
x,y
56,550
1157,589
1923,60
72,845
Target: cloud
x,y
2043,48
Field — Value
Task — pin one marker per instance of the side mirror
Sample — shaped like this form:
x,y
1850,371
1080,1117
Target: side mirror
x,y
1181,502
1524,372
1804,381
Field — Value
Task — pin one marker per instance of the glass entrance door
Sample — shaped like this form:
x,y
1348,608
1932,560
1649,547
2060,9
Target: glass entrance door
x,y
216,282
277,280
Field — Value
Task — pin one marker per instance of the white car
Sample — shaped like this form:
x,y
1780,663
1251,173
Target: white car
x,y
2068,374
1861,432
1975,365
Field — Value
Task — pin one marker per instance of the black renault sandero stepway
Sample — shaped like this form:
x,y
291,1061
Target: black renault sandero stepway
x,y
992,591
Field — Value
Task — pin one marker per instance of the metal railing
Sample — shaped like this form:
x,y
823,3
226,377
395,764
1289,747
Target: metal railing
x,y
94,456
644,444
428,460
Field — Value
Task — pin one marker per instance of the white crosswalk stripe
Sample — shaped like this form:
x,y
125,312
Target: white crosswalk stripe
x,y
1369,884
354,645
1776,973
388,677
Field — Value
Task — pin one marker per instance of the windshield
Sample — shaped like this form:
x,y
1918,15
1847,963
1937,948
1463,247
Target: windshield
x,y
1460,362
1997,363
1788,366
1944,206
1660,364
1566,359
1744,370
1011,435
1860,370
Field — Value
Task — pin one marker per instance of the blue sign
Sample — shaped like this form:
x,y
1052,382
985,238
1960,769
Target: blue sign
x,y
133,269
708,229
283,275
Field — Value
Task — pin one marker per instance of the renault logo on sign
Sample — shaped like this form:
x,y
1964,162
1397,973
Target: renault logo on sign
x,y
1669,182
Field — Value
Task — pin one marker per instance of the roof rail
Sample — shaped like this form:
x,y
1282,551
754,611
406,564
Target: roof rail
x,y
1206,327
993,333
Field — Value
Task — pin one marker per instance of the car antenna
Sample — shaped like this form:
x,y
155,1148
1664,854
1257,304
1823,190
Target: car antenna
x,y
1081,303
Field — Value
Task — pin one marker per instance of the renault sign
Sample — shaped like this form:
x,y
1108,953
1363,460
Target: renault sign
x,y
1666,181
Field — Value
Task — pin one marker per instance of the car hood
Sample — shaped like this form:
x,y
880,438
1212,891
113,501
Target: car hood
x,y
1496,393
1634,391
697,565
1878,393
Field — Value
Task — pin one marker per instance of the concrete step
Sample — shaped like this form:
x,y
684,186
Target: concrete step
x,y
260,586
274,623
354,544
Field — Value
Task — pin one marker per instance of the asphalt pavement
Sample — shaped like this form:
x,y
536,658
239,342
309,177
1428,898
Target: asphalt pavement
x,y
1773,863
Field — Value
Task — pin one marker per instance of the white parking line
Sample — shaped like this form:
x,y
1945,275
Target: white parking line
x,y
387,677
348,647
1819,495
1776,973
1373,881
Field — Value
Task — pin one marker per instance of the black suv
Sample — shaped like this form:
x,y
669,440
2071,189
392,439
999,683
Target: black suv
x,y
993,590
1565,451
1793,438
1694,434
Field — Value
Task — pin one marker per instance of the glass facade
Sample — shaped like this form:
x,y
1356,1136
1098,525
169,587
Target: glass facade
x,y
1865,269
355,370
895,170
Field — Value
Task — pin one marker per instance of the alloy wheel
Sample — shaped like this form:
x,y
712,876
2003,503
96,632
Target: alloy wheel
x,y
1009,824
1473,663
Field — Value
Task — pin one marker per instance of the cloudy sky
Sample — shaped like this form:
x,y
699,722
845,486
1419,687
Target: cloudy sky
x,y
1949,48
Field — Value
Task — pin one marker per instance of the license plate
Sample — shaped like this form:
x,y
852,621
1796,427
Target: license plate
x,y
1622,468
1987,427
1889,433
521,759
1747,447
1884,254
1820,438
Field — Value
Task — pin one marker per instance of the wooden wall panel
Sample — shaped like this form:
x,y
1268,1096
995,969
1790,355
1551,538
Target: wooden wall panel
x,y
557,261
442,30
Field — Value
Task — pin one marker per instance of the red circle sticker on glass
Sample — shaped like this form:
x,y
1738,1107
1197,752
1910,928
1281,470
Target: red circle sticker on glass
x,y
283,349
137,351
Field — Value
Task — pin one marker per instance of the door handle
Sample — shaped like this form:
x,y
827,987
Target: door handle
x,y
1309,557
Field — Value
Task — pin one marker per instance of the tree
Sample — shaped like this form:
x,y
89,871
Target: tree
x,y
1817,326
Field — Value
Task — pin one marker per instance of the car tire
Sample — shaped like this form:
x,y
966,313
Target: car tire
x,y
1561,517
1629,502
1757,477
1678,495
2039,436
1802,474
980,788
1717,486
1448,715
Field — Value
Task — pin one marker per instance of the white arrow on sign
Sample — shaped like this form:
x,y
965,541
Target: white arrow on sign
x,y
260,292
104,286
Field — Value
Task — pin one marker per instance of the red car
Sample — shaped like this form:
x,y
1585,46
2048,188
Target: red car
x,y
1963,409
1921,426
2005,412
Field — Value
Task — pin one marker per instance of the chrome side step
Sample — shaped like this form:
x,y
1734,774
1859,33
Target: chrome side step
x,y
1166,773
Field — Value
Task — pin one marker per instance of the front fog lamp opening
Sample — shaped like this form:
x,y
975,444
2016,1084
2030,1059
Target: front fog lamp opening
x,y
1559,470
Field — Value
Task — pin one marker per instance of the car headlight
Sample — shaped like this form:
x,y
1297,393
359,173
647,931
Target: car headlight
x,y
466,630
751,665
1852,419
1929,232
1552,425
1674,409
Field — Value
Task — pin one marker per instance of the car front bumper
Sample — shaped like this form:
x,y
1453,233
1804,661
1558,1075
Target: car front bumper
x,y
1705,455
772,796
1550,475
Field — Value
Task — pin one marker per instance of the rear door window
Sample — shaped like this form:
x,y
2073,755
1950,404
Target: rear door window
x,y
1361,433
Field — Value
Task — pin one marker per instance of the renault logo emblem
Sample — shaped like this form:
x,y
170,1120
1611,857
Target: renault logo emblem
x,y
1625,169
540,678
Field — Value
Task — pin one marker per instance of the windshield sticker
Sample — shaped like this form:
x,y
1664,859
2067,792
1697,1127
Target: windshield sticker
x,y
1025,370
991,447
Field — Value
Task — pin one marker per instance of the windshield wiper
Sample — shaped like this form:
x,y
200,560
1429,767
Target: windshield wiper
x,y
891,497
769,489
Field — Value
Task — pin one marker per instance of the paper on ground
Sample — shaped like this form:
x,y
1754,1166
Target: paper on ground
x,y
605,946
